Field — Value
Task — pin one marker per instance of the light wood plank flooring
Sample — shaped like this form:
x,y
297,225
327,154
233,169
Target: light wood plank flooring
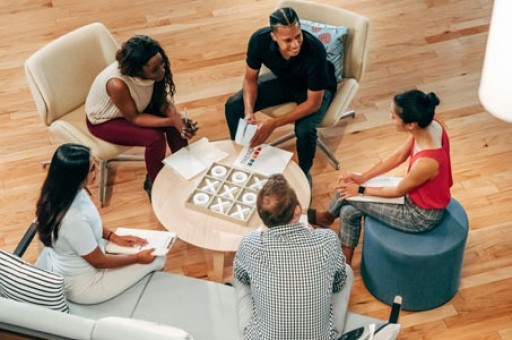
x,y
433,45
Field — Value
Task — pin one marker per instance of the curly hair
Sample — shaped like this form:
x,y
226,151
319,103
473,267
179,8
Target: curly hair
x,y
133,55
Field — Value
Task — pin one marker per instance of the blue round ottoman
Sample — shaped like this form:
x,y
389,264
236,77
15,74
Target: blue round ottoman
x,y
423,268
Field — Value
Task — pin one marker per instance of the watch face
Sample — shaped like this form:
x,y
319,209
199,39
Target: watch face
x,y
361,190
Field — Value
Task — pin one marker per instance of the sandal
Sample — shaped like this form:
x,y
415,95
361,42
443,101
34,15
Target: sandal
x,y
312,219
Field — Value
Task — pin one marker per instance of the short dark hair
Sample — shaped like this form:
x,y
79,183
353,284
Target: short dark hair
x,y
283,17
276,201
416,107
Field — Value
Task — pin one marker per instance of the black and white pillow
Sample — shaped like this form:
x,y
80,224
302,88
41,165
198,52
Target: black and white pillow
x,y
21,281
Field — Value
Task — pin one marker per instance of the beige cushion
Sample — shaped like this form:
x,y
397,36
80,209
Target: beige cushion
x,y
73,127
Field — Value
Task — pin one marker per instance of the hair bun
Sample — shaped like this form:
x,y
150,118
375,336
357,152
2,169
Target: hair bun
x,y
432,99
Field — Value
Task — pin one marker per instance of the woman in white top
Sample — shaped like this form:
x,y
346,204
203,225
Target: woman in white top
x,y
69,225
131,103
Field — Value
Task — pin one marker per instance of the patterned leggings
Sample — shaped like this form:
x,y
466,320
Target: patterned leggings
x,y
406,217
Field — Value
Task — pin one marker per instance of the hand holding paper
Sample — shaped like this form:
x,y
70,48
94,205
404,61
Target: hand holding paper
x,y
245,132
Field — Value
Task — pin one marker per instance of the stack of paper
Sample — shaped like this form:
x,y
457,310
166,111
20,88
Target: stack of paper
x,y
380,181
245,132
195,158
161,241
263,159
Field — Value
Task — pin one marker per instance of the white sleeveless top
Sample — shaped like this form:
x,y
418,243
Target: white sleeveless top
x,y
100,108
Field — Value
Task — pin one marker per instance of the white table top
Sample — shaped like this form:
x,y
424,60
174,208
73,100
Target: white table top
x,y
170,191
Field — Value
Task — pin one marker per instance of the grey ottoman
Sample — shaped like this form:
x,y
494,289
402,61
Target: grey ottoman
x,y
423,268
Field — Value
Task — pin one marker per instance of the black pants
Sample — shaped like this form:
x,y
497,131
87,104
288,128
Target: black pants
x,y
272,91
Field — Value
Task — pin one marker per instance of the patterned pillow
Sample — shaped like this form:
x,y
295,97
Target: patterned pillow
x,y
333,38
21,281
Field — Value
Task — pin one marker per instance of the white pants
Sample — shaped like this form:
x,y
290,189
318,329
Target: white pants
x,y
339,303
105,284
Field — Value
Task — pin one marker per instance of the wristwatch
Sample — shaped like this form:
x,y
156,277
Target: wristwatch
x,y
361,190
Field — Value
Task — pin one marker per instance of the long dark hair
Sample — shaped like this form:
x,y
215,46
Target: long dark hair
x,y
133,55
68,170
417,107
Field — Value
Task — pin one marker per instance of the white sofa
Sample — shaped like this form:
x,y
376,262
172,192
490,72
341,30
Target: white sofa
x,y
160,306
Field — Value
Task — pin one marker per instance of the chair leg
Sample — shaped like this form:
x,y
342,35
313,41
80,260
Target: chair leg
x,y
321,144
347,114
103,185
104,172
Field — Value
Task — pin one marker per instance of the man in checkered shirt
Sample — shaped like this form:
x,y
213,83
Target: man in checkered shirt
x,y
291,281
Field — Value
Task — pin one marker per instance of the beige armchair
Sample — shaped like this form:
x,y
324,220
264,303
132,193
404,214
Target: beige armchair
x,y
60,75
356,51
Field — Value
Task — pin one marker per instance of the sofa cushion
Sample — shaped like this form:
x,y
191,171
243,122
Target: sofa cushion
x,y
207,310
333,38
21,281
122,305
113,328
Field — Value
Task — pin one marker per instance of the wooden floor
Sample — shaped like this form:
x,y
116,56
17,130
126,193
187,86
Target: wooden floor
x,y
433,45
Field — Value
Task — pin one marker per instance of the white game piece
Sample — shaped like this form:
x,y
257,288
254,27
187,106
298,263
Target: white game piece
x,y
200,198
239,177
249,198
210,186
220,206
219,171
240,212
257,183
229,192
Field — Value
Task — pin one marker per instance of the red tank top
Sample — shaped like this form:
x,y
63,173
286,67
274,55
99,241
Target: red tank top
x,y
434,193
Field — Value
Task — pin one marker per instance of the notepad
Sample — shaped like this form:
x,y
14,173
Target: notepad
x,y
380,181
161,241
245,132
263,159
195,158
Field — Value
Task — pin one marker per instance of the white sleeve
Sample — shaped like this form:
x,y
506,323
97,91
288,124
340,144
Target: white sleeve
x,y
77,231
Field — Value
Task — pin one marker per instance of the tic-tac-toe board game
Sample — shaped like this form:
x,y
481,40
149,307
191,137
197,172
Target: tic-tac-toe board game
x,y
227,192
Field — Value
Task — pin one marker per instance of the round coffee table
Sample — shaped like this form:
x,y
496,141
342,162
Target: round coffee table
x,y
170,191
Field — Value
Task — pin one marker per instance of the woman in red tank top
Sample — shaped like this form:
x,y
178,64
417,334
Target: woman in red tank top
x,y
426,186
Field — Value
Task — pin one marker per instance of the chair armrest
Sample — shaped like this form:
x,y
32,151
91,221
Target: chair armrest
x,y
25,240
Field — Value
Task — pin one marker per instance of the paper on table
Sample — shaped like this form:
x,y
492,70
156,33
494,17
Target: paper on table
x,y
264,159
245,132
189,162
162,241
380,181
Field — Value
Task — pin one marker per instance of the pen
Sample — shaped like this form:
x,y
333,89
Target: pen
x,y
245,129
185,114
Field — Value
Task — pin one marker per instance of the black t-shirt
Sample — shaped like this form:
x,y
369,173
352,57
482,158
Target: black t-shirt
x,y
309,69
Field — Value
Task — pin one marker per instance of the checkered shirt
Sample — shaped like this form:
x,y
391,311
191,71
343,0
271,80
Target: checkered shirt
x,y
292,272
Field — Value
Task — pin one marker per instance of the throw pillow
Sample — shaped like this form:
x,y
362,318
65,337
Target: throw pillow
x,y
333,38
21,281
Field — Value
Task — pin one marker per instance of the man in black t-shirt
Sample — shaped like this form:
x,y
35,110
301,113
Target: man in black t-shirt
x,y
300,74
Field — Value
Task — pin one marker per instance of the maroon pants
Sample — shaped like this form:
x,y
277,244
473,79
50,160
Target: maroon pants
x,y
120,131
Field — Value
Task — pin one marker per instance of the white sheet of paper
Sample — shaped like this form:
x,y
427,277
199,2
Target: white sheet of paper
x,y
197,157
263,159
162,241
245,132
380,181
